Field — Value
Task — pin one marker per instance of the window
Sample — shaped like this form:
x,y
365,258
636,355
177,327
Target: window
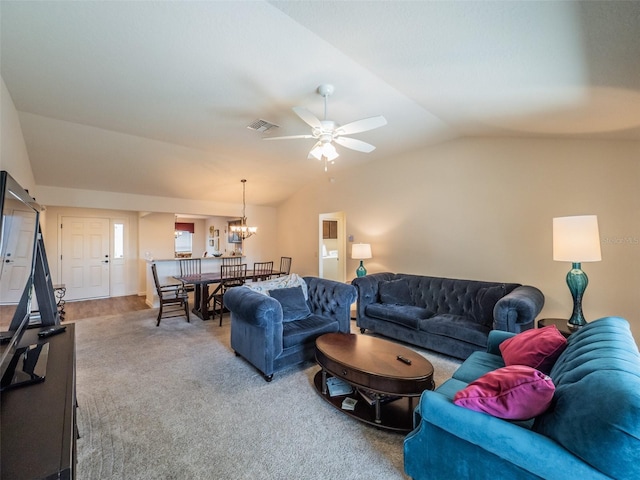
x,y
118,240
183,241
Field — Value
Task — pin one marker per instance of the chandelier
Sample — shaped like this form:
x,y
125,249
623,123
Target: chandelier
x,y
242,230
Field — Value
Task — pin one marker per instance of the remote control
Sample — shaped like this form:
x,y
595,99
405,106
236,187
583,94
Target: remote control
x,y
51,331
404,360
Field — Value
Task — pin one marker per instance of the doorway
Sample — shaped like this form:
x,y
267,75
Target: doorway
x,y
17,255
332,249
85,257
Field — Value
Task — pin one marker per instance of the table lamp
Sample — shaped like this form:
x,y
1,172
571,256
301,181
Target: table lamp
x,y
360,251
576,239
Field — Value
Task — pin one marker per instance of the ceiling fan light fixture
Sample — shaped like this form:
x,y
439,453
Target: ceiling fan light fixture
x,y
316,152
326,150
329,151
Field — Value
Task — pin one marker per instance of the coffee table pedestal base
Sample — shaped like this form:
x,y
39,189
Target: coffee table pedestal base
x,y
396,416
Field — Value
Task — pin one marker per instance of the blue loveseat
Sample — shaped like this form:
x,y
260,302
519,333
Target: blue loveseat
x,y
590,431
272,335
446,315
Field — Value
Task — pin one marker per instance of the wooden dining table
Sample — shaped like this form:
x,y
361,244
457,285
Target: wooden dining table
x,y
201,282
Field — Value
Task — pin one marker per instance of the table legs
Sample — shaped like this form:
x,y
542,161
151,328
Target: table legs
x,y
377,405
201,301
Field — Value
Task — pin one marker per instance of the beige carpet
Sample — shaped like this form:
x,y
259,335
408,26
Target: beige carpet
x,y
174,402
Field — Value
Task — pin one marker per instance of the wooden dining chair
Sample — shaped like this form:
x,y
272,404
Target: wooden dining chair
x,y
190,266
232,260
172,296
262,271
285,266
230,276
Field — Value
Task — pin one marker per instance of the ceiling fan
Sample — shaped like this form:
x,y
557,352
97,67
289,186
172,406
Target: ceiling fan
x,y
327,131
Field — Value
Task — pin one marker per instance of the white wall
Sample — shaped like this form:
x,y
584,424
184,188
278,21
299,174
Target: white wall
x,y
13,151
483,209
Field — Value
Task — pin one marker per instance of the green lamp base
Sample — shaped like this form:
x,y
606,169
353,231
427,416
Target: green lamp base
x,y
361,271
577,281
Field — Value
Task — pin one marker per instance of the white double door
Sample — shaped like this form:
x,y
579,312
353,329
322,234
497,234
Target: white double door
x,y
85,257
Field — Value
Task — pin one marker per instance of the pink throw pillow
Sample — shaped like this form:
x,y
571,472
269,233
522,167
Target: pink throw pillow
x,y
538,348
512,393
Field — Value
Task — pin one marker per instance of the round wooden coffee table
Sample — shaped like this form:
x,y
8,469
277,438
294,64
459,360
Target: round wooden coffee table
x,y
371,365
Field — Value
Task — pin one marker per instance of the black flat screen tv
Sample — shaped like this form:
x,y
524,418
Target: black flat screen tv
x,y
19,230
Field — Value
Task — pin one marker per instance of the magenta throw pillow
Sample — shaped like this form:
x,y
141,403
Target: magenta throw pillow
x,y
512,393
538,348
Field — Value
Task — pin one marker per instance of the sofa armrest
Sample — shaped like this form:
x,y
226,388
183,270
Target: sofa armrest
x,y
367,288
516,311
256,327
331,299
511,442
496,337
253,307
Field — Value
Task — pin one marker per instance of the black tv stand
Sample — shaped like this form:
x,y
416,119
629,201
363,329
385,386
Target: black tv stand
x,y
39,420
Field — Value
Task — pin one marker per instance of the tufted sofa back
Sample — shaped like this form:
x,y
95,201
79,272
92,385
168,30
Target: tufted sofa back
x,y
330,299
447,295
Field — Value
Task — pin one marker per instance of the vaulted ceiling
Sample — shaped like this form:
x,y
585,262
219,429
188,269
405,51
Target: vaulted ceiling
x,y
155,98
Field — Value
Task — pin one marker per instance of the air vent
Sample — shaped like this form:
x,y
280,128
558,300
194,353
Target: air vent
x,y
260,125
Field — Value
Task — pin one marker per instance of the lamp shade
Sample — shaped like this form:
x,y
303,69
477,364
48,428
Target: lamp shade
x,y
360,251
576,239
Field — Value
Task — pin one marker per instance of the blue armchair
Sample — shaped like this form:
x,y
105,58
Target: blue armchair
x,y
272,335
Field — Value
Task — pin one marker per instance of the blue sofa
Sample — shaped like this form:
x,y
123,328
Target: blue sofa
x,y
446,315
271,338
590,431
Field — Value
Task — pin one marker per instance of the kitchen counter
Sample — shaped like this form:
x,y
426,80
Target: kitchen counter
x,y
175,259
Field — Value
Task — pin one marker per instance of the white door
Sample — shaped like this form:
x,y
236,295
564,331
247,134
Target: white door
x,y
17,255
85,257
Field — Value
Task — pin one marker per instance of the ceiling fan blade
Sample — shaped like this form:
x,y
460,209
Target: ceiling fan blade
x,y
362,125
308,117
354,144
288,137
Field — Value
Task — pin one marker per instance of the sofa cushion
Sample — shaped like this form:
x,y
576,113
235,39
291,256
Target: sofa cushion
x,y
450,387
294,306
395,292
485,301
515,392
456,326
306,330
476,365
537,348
405,315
